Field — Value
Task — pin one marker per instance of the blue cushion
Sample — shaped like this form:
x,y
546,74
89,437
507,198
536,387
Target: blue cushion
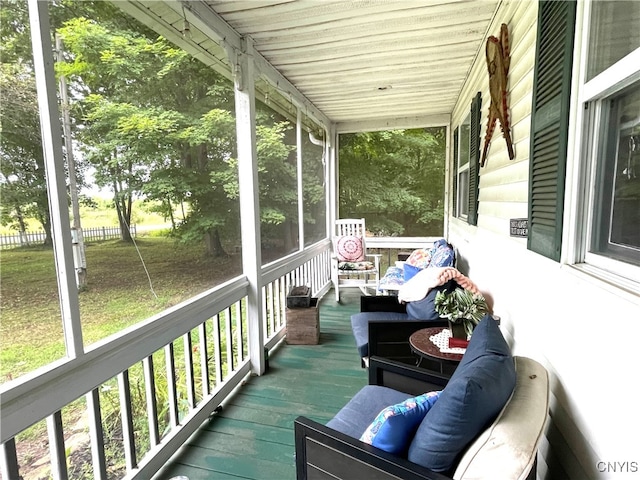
x,y
394,427
474,396
360,327
410,271
360,411
425,309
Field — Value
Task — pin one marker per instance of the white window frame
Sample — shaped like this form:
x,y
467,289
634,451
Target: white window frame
x,y
586,115
462,200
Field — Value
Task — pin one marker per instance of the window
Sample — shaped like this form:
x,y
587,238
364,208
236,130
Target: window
x,y
612,126
277,177
462,169
613,34
314,189
466,152
154,131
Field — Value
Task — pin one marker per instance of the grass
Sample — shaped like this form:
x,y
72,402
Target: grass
x,y
101,214
118,294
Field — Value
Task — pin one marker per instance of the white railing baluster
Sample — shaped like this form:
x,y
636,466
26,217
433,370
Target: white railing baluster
x,y
172,394
239,333
217,343
188,370
152,405
96,435
128,437
204,359
56,447
282,302
229,339
278,304
271,309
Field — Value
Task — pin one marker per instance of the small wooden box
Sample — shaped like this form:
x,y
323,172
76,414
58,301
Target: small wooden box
x,y
303,324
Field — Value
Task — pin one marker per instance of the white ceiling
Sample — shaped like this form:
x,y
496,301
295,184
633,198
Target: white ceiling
x,y
361,63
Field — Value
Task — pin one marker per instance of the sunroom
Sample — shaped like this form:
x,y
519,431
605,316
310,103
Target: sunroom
x,y
544,219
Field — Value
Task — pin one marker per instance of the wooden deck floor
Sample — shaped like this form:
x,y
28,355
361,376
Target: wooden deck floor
x,y
252,437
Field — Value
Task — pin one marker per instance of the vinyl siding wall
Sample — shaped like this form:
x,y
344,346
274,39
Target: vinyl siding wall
x,y
578,326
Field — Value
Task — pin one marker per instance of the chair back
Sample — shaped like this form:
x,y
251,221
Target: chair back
x,y
507,449
351,226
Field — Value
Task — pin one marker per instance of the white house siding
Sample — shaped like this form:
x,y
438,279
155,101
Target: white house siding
x,y
581,328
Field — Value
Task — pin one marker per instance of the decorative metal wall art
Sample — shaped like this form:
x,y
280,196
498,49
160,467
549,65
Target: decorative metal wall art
x,y
498,61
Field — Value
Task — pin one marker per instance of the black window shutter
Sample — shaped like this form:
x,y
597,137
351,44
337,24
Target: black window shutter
x,y
549,125
474,158
454,206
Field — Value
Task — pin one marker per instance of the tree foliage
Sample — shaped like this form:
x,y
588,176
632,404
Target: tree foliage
x,y
22,175
395,179
152,122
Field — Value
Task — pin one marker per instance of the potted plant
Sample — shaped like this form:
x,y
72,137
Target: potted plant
x,y
463,309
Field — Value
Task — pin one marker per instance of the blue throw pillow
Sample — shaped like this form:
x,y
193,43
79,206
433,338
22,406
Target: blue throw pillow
x,y
474,396
393,428
410,271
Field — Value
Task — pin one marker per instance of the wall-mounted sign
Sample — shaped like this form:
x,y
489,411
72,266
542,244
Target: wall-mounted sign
x,y
519,227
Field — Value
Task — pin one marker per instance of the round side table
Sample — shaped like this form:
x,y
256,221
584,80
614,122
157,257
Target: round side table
x,y
424,348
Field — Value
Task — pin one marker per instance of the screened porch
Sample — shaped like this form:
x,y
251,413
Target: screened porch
x,y
257,420
120,404
142,400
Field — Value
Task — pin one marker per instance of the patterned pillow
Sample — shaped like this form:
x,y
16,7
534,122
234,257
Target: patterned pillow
x,y
392,430
356,266
441,254
419,258
349,248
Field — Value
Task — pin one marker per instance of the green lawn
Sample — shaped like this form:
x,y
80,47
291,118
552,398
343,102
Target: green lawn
x,y
119,294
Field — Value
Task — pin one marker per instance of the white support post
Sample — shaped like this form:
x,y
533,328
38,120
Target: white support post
x,y
332,180
51,130
300,186
249,201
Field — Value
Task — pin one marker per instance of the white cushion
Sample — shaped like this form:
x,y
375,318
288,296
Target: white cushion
x,y
507,449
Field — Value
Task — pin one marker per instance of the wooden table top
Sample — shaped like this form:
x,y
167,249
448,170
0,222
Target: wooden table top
x,y
422,345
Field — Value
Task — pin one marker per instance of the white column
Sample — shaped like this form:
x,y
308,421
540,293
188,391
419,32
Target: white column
x,y
299,133
51,130
249,201
332,156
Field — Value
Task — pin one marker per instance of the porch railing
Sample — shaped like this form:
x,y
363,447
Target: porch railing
x,y
159,379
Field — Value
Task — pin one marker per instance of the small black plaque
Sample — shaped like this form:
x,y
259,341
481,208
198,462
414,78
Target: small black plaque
x,y
519,227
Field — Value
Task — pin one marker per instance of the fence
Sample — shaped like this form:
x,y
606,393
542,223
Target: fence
x,y
26,239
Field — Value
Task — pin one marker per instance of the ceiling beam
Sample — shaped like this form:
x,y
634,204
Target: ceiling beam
x,y
442,120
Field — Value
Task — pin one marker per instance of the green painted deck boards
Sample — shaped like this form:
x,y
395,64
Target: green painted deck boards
x,y
252,438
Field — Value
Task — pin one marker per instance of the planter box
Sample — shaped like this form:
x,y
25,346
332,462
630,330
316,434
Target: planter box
x,y
299,297
303,324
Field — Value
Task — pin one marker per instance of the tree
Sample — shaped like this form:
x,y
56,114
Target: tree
x,y
22,173
122,136
156,123
207,178
395,179
277,180
153,125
